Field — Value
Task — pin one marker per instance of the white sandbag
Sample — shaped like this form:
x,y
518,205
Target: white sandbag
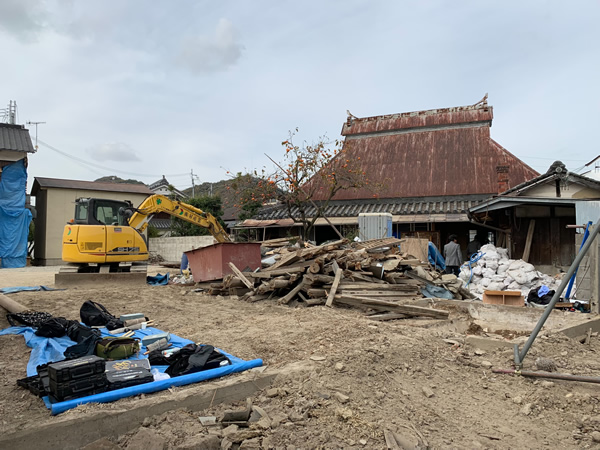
x,y
491,255
531,276
492,264
508,279
514,286
480,262
488,273
464,275
502,268
485,282
503,252
488,248
518,275
477,270
495,286
516,265
498,278
527,267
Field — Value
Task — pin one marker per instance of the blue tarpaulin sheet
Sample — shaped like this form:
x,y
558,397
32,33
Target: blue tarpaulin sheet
x,y
14,217
46,350
435,257
14,289
158,279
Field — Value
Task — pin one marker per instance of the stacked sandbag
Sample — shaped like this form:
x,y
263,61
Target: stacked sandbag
x,y
494,271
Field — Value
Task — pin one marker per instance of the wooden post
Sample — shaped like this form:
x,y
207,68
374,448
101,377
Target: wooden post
x,y
336,282
528,240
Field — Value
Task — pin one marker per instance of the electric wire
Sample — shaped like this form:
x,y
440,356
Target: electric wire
x,y
93,165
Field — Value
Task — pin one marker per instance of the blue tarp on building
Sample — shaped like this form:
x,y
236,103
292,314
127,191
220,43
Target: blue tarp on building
x,y
14,217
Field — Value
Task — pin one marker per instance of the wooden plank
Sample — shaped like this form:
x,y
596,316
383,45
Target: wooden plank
x,y
395,307
290,258
290,295
241,276
336,282
388,316
377,243
528,240
385,294
357,285
277,272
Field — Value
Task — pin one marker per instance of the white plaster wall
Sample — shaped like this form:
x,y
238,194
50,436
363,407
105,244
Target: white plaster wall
x,y
171,248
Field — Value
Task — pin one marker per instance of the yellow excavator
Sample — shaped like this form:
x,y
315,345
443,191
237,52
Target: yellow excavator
x,y
107,235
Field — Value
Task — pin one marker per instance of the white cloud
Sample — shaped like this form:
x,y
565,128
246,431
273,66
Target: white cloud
x,y
204,54
114,151
24,19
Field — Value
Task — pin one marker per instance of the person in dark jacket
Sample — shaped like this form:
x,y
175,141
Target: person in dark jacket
x,y
453,255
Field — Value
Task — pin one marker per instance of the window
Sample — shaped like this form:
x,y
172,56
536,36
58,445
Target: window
x,y
107,212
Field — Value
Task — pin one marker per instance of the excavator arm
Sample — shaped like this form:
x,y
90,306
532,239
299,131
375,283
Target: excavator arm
x,y
159,203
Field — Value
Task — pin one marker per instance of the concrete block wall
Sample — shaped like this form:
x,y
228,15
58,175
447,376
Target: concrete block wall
x,y
171,248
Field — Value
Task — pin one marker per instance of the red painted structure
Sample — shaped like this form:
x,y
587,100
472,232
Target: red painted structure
x,y
211,263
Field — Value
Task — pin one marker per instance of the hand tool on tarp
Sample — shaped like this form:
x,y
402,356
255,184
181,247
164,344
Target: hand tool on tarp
x,y
137,326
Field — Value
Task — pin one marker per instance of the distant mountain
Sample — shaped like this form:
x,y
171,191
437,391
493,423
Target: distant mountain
x,y
115,179
228,196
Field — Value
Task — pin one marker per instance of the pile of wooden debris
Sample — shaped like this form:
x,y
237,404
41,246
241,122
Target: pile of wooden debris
x,y
371,275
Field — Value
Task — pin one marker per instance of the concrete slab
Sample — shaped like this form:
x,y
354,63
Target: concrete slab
x,y
574,331
68,432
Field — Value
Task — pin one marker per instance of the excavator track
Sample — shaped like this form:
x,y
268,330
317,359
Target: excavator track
x,y
85,275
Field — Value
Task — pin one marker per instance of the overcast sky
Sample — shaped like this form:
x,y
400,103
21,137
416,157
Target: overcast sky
x,y
140,89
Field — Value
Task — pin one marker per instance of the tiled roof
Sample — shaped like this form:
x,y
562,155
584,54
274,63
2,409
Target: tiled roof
x,y
15,138
40,183
394,206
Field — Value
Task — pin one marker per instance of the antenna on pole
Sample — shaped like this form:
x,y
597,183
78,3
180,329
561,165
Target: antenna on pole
x,y
36,125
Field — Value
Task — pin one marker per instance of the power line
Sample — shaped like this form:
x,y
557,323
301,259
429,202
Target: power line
x,y
93,165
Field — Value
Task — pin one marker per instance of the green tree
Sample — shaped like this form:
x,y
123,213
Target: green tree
x,y
308,171
207,204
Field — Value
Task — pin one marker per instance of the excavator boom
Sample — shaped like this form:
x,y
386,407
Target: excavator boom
x,y
159,203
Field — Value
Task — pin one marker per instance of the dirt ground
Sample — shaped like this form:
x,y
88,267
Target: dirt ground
x,y
359,377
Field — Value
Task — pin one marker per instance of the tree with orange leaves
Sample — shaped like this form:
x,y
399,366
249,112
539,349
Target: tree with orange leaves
x,y
306,181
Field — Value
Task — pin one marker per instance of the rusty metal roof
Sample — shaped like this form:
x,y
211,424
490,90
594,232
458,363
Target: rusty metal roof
x,y
41,183
395,206
429,153
15,138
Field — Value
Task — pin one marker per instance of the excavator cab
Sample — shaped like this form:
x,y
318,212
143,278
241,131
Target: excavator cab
x,y
100,234
99,211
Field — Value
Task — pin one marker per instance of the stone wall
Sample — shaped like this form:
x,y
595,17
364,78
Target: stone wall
x,y
171,248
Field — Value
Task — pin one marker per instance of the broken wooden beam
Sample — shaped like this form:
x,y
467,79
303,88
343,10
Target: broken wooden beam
x,y
241,276
336,282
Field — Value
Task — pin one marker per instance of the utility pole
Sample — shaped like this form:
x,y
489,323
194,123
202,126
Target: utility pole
x,y
36,125
194,177
10,114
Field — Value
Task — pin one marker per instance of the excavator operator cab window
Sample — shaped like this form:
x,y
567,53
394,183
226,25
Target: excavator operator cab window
x,y
81,211
106,212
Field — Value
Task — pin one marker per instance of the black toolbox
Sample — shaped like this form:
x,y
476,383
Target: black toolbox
x,y
128,377
74,369
68,390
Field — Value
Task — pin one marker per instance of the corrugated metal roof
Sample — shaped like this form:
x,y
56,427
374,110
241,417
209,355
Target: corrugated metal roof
x,y
15,138
57,183
161,224
429,153
423,206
